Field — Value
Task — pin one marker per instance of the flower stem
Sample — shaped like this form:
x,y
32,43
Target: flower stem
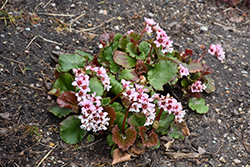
x,y
201,56
159,115
151,48
124,120
116,97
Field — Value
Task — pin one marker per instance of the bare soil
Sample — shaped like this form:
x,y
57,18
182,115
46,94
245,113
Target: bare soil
x,y
44,29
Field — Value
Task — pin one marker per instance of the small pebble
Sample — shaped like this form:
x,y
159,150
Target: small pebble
x,y
203,28
53,4
89,25
237,161
117,28
222,159
105,12
151,14
101,11
248,84
2,35
244,72
57,47
100,46
72,5
219,121
27,29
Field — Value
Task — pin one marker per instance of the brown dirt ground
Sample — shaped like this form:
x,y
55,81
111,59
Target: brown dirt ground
x,y
28,131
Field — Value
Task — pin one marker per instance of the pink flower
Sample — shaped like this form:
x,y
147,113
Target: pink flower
x,y
130,31
212,49
197,87
220,54
148,29
149,22
183,71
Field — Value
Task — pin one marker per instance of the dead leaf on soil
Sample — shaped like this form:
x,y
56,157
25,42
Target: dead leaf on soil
x,y
169,144
184,128
135,151
183,155
201,151
120,156
166,138
237,19
5,116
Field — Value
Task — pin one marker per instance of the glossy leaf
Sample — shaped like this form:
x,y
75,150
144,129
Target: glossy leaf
x,y
95,85
148,139
194,67
58,111
86,55
184,83
117,106
106,38
210,87
123,59
144,47
105,101
68,62
107,54
129,75
70,130
135,36
123,42
124,141
64,83
116,86
110,140
131,50
117,36
164,123
136,120
114,68
198,105
161,74
90,138
68,100
119,120
176,133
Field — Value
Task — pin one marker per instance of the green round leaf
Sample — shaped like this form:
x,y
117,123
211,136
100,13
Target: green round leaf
x,y
64,83
68,62
129,75
58,111
161,74
131,50
144,47
90,138
70,130
116,85
110,140
198,105
95,85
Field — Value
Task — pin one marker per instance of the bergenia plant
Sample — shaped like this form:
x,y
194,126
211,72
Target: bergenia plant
x,y
120,91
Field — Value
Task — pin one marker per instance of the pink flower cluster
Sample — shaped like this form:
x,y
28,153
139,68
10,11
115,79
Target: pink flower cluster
x,y
149,23
93,117
171,105
141,102
163,40
217,50
183,71
197,87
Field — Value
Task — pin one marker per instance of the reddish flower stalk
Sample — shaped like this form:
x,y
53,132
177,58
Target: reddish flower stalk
x,y
159,115
151,48
201,56
116,96
124,120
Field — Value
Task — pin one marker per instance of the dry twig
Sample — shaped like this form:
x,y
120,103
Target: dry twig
x,y
12,60
46,156
4,4
74,21
57,14
230,28
47,40
243,141
92,143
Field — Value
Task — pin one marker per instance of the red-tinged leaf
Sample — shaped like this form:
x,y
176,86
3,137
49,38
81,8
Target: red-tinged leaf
x,y
55,92
68,100
194,67
111,115
140,67
106,38
95,61
206,69
123,59
188,52
124,141
148,140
